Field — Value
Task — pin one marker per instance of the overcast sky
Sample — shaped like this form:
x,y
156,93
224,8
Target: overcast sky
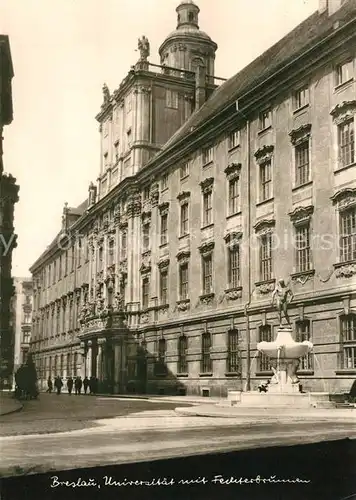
x,y
63,51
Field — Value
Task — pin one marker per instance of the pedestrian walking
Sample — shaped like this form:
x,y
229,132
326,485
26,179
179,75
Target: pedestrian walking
x,y
78,385
49,385
92,385
86,384
58,384
70,385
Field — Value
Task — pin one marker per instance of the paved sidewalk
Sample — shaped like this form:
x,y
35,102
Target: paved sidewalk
x,y
8,404
191,400
214,410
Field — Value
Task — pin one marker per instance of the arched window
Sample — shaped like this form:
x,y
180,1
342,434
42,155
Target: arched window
x,y
182,354
348,340
206,363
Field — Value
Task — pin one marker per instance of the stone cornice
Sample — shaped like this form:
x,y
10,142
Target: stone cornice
x,y
345,107
265,225
233,170
233,237
207,247
264,153
301,215
183,255
344,198
300,134
207,184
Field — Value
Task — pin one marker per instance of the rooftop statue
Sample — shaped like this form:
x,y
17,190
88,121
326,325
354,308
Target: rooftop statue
x,y
106,93
283,296
144,48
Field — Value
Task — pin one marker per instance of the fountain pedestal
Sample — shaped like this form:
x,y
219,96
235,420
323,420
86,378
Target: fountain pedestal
x,y
283,388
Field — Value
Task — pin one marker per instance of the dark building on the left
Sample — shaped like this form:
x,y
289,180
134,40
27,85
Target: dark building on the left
x,y
8,197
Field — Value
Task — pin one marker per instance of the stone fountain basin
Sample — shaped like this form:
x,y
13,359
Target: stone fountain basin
x,y
293,350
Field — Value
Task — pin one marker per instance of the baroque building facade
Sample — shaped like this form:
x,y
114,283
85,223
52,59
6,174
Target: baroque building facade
x,y
8,197
162,281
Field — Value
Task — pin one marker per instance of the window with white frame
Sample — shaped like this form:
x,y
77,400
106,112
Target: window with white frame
x,y
164,229
344,72
184,219
164,182
346,142
234,139
234,195
184,171
348,234
207,155
266,256
183,281
207,273
300,98
348,341
234,266
163,286
171,99
266,180
302,164
302,248
207,208
265,119
302,328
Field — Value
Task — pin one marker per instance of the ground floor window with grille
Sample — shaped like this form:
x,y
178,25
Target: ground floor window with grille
x,y
265,335
206,363
233,359
303,333
161,358
348,235
182,354
348,339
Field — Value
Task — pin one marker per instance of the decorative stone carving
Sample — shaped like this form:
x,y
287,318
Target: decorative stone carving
x,y
183,256
343,111
207,185
207,247
207,298
301,215
233,171
146,216
123,266
265,287
106,95
183,305
264,154
154,194
183,197
134,205
119,302
233,293
164,263
146,262
233,238
345,270
264,226
144,318
303,277
300,134
344,198
163,208
92,194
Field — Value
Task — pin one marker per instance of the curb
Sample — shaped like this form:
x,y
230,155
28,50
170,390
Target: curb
x,y
19,408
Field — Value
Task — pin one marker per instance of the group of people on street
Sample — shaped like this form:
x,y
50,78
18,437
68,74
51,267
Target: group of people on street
x,y
88,383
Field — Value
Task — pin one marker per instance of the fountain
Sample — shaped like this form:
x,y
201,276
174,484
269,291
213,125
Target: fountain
x,y
283,389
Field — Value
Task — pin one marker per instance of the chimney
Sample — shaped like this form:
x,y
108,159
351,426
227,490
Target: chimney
x,y
200,85
330,5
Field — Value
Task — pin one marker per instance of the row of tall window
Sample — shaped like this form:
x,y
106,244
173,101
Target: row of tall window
x,y
267,248
233,359
61,364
